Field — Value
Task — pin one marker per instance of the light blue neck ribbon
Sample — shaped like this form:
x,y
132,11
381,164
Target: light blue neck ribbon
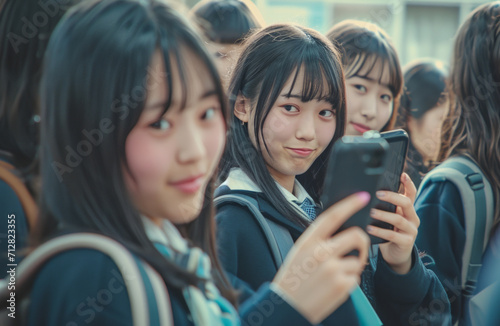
x,y
366,314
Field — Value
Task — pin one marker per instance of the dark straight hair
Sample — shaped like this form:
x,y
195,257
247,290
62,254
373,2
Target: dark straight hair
x,y
227,21
271,56
425,87
93,92
362,46
22,45
473,127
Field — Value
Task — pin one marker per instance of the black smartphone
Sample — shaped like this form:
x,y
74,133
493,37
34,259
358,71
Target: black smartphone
x,y
396,157
356,164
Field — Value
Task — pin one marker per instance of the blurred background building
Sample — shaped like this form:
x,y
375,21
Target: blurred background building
x,y
419,28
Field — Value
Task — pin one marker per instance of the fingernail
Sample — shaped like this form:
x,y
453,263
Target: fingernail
x,y
373,213
364,196
405,176
380,193
369,229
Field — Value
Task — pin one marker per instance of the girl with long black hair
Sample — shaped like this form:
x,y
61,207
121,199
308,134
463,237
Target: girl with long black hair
x,y
288,103
133,127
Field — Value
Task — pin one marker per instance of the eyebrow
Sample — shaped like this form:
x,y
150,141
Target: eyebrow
x,y
162,104
286,95
372,80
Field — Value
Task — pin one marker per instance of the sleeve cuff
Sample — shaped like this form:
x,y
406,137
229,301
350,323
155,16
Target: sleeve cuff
x,y
415,283
269,307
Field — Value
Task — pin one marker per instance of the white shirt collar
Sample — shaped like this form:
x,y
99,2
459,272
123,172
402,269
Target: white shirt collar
x,y
238,180
167,234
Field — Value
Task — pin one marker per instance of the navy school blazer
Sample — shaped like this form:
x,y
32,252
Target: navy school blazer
x,y
411,299
85,287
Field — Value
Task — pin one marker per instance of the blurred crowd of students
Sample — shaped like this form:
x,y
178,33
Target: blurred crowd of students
x,y
127,118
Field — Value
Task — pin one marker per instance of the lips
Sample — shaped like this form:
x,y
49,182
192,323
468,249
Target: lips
x,y
190,184
360,127
303,152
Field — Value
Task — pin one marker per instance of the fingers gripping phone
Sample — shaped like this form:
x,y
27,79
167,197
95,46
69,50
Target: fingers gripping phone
x,y
390,180
356,164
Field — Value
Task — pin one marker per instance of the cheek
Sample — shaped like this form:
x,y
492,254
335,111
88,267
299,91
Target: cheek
x,y
384,115
277,128
325,133
433,128
351,103
146,160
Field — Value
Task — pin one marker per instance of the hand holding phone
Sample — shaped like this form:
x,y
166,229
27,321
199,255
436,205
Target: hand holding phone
x,y
325,289
398,252
355,164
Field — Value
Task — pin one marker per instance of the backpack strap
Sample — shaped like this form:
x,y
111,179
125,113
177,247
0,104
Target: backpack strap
x,y
477,199
278,237
152,292
29,205
160,296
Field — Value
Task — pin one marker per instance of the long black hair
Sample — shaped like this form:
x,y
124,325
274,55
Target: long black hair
x,y
473,125
271,56
363,45
93,91
425,87
25,28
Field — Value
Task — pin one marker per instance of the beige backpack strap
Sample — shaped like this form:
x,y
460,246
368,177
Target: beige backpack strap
x,y
124,260
29,205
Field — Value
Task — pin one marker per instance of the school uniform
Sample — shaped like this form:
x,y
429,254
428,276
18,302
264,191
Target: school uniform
x,y
85,287
442,237
246,257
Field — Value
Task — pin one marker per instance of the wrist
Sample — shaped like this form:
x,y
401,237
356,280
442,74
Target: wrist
x,y
403,267
276,288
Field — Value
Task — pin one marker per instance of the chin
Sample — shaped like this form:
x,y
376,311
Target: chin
x,y
186,214
299,170
351,132
185,220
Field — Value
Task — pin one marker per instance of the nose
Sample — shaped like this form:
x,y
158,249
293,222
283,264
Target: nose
x,y
369,108
306,128
191,147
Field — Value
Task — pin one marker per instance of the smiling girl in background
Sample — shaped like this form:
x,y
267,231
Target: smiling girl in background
x,y
288,104
129,89
373,75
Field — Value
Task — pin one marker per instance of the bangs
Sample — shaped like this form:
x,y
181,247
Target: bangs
x,y
363,64
174,49
318,84
322,80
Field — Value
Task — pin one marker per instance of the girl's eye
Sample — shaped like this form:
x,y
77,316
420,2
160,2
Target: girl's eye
x,y
360,88
327,113
386,98
208,114
290,108
161,124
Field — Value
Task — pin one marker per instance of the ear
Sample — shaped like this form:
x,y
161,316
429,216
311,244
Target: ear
x,y
242,108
